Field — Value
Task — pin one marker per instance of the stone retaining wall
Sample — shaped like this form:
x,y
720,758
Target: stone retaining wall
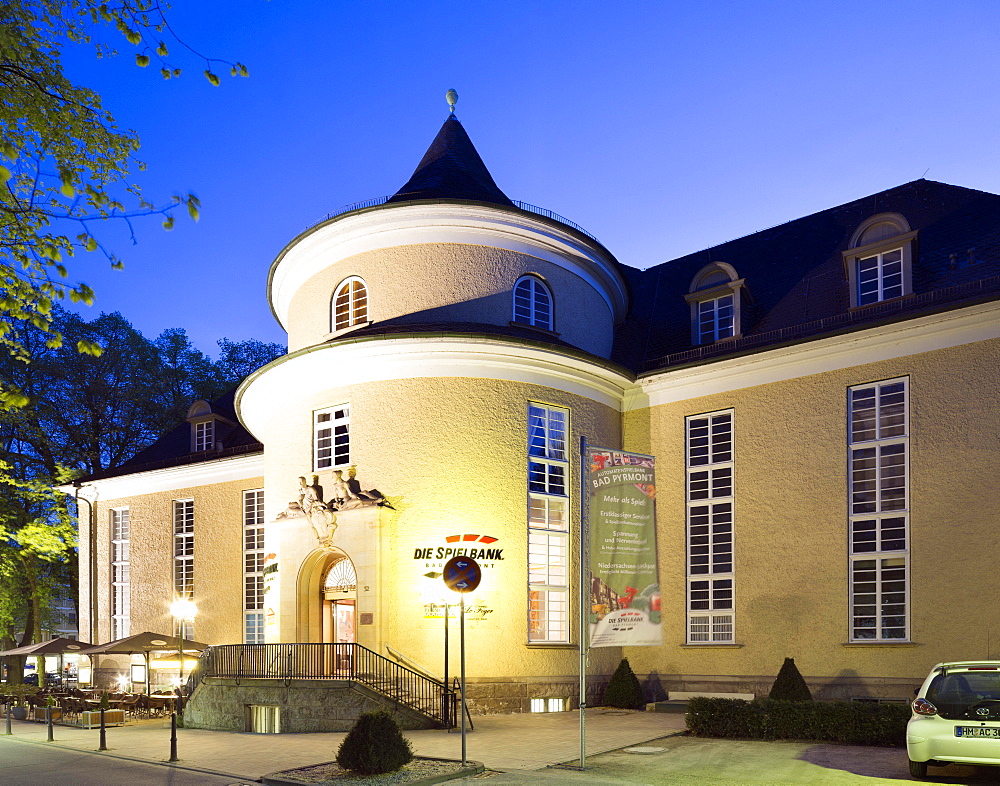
x,y
305,705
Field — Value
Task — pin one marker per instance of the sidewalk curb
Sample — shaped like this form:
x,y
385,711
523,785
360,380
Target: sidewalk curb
x,y
163,763
473,768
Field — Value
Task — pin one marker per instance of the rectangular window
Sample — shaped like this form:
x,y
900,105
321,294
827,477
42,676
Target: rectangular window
x,y
184,554
120,588
880,277
710,528
716,319
878,497
253,566
332,437
204,435
548,525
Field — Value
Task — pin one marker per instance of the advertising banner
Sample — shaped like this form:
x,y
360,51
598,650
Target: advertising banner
x,y
624,583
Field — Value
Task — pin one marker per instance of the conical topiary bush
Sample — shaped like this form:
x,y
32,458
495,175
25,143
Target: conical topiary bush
x,y
624,690
789,684
374,745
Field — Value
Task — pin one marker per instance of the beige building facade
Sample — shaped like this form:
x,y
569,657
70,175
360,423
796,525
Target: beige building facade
x,y
820,399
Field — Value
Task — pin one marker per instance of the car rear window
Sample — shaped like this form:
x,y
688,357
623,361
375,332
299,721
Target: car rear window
x,y
955,693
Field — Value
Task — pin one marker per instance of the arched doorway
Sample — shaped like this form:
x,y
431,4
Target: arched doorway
x,y
339,598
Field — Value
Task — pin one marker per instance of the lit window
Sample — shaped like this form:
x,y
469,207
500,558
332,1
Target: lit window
x,y
332,437
715,296
120,586
878,502
533,303
548,525
184,555
548,705
253,566
350,304
710,528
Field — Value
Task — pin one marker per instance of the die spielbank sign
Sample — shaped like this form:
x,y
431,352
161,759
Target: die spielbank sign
x,y
485,549
624,585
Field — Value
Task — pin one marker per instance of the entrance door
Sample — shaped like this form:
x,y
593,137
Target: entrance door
x,y
339,600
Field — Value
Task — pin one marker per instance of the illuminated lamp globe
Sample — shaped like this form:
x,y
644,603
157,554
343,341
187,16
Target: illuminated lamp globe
x,y
183,609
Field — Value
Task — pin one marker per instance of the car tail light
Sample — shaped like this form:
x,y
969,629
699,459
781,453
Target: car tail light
x,y
923,707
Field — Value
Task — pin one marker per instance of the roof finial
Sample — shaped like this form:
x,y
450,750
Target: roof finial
x,y
452,97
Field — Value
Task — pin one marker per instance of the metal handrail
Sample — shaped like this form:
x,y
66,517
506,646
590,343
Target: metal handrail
x,y
525,206
332,661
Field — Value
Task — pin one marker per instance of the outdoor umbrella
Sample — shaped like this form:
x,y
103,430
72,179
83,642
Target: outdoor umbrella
x,y
57,646
143,644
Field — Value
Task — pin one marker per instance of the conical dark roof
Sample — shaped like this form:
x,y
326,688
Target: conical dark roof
x,y
452,169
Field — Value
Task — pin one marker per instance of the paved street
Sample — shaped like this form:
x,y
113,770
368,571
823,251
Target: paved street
x,y
31,765
516,749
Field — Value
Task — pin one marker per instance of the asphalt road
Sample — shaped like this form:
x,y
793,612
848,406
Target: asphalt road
x,y
34,764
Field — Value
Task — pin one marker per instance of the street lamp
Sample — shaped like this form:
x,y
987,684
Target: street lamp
x,y
182,609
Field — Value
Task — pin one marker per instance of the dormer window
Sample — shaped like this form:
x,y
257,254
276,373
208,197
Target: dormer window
x,y
879,262
533,303
349,306
204,435
715,297
208,427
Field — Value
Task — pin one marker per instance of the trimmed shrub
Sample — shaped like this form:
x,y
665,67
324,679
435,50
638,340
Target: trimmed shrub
x,y
847,722
624,690
374,745
789,684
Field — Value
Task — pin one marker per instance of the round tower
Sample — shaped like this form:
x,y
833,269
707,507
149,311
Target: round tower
x,y
448,347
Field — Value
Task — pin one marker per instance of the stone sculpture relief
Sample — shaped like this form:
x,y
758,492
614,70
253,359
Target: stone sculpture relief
x,y
344,495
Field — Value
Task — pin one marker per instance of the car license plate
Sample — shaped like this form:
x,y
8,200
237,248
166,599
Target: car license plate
x,y
978,731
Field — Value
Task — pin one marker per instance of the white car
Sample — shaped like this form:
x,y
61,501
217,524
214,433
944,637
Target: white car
x,y
956,717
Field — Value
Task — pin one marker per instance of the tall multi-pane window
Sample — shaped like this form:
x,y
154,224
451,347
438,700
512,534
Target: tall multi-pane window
x,y
533,303
548,525
880,277
204,435
710,573
332,437
715,319
878,444
350,304
253,566
120,590
184,555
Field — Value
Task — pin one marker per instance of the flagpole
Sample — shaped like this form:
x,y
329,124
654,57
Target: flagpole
x,y
584,602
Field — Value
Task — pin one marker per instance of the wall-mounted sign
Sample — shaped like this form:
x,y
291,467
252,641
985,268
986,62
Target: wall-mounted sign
x,y
477,547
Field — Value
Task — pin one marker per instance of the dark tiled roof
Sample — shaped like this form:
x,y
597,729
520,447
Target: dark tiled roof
x,y
173,449
795,275
513,330
452,169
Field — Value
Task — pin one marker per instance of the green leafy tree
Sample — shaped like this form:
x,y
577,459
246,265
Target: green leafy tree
x,y
84,414
65,165
239,359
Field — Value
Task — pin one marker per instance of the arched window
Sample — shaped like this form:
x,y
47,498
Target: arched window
x,y
879,259
532,303
350,304
715,296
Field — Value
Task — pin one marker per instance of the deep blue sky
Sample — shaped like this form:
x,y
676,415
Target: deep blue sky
x,y
661,127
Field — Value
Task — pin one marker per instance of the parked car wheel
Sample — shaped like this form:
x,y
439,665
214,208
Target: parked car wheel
x,y
918,769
